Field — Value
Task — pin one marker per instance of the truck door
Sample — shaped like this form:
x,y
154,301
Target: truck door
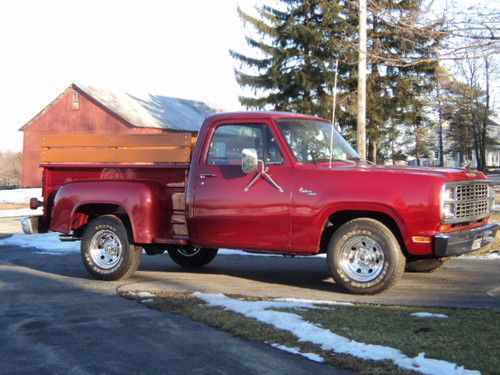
x,y
228,210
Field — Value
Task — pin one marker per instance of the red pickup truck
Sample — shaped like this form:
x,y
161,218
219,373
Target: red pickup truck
x,y
262,182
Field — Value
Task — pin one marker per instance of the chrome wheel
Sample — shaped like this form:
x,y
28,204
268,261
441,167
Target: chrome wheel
x,y
192,256
190,252
362,258
106,249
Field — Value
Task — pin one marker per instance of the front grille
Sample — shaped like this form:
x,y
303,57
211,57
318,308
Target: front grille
x,y
471,192
470,200
471,210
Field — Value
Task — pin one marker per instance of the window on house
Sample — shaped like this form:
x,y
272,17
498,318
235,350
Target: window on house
x,y
76,101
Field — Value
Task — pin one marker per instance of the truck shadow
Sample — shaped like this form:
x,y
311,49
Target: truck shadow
x,y
459,284
299,272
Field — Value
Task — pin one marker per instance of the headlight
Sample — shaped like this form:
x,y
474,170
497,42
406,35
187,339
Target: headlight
x,y
448,210
448,202
448,194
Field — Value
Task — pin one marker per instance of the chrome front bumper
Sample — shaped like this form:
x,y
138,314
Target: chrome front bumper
x,y
461,242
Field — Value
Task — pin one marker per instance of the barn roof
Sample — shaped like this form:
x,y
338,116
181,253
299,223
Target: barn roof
x,y
145,110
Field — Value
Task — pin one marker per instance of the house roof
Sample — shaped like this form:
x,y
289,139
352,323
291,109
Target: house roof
x,y
144,110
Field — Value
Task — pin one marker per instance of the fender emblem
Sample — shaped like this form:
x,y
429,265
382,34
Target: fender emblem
x,y
471,175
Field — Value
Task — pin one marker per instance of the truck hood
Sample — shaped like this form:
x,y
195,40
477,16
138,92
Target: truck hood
x,y
446,174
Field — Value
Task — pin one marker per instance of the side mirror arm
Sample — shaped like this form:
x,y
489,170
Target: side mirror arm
x,y
263,173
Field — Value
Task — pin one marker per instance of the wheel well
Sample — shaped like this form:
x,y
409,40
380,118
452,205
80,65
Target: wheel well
x,y
336,220
88,212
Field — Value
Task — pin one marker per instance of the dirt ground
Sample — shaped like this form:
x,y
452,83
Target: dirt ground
x,y
10,225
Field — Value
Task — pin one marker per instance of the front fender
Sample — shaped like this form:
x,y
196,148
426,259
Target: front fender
x,y
373,207
308,228
146,204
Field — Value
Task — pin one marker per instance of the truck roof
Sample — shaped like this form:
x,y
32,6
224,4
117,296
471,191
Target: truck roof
x,y
258,115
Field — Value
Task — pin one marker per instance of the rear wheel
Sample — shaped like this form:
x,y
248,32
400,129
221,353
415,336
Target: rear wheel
x,y
106,251
192,256
364,257
424,265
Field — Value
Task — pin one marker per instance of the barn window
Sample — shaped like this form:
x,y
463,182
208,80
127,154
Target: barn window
x,y
76,101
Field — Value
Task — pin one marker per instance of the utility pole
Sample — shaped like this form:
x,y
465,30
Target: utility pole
x,y
361,128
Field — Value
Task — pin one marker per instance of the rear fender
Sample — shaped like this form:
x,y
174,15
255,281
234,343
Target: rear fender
x,y
145,203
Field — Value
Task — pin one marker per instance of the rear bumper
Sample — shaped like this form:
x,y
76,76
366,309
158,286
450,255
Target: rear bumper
x,y
30,224
461,242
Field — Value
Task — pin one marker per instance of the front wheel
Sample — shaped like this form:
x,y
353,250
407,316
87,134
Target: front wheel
x,y
364,257
106,251
193,256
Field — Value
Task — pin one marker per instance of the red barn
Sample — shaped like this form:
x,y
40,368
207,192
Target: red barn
x,y
82,109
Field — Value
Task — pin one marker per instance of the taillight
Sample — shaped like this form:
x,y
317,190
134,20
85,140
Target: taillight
x,y
35,203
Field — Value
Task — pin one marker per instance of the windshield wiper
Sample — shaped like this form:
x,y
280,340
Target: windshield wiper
x,y
358,161
344,160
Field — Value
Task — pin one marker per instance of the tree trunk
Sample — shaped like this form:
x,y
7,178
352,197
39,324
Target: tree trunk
x,y
372,150
417,144
440,119
484,133
361,125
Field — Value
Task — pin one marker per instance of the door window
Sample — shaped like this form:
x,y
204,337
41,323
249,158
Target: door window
x,y
229,141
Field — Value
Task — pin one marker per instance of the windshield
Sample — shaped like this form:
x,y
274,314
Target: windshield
x,y
310,141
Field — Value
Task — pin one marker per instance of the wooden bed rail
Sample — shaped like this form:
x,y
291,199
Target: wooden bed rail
x,y
119,148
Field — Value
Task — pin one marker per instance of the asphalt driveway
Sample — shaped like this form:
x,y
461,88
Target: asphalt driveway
x,y
55,320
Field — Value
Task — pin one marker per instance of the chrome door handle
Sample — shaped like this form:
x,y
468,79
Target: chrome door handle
x,y
206,175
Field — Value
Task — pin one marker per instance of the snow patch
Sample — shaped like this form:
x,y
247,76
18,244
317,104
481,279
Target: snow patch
x,y
494,255
326,339
144,294
19,195
429,366
314,302
255,254
429,315
21,212
245,253
48,243
311,356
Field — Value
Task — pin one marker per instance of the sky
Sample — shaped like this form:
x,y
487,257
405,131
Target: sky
x,y
171,48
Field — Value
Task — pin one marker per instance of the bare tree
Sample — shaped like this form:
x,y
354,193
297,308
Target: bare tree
x,y
477,75
10,168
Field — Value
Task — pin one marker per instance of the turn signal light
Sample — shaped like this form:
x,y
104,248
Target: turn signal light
x,y
422,239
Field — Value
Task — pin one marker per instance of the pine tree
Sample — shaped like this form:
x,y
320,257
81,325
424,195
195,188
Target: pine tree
x,y
299,44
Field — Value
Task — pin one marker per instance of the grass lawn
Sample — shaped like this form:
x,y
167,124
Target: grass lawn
x,y
466,338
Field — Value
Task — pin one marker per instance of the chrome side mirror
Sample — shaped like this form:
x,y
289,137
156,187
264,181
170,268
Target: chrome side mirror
x,y
249,160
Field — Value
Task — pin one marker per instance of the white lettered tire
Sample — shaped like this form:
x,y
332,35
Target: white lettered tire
x,y
106,251
364,257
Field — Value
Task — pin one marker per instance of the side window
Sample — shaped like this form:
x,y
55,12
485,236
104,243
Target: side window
x,y
229,140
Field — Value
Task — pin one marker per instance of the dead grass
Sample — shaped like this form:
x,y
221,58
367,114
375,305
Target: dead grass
x,y
466,338
13,206
495,245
